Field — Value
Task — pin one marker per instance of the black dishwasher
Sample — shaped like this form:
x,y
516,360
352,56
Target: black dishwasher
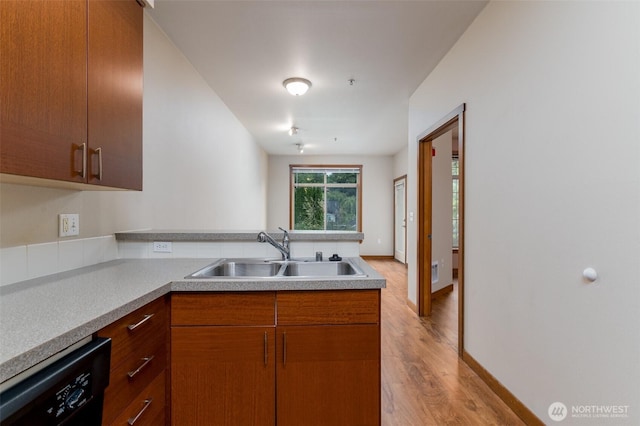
x,y
68,392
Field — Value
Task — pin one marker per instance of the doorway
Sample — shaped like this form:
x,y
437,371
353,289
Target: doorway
x,y
400,219
428,264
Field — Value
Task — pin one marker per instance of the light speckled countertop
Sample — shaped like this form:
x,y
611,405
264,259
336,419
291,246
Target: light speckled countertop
x,y
208,235
43,316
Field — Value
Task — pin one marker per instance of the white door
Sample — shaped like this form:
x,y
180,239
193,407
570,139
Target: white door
x,y
400,218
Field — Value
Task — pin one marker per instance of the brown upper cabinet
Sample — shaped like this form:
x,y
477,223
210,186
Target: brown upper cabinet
x,y
71,91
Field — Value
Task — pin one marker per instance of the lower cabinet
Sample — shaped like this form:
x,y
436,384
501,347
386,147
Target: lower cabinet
x,y
136,392
276,358
147,408
223,376
329,375
223,358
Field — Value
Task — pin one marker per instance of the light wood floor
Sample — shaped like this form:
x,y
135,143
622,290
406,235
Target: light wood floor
x,y
423,380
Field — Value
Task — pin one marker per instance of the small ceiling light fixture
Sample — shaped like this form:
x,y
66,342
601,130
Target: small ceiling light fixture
x,y
297,86
293,131
300,147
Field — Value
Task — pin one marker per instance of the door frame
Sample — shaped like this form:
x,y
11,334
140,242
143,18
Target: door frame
x,y
395,182
452,120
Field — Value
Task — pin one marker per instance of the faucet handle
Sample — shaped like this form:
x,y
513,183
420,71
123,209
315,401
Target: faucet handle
x,y
286,234
285,238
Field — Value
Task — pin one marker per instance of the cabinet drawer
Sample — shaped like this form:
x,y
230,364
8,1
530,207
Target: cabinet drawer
x,y
138,332
123,389
233,308
328,307
148,408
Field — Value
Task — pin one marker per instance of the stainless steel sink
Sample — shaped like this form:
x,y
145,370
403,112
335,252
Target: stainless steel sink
x,y
270,269
239,268
321,269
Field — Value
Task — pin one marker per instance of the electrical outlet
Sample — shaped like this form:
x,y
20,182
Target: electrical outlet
x,y
68,225
161,247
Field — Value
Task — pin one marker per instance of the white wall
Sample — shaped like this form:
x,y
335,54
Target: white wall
x,y
400,163
377,196
552,186
202,169
441,210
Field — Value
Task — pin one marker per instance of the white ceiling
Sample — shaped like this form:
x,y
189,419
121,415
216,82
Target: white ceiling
x,y
245,49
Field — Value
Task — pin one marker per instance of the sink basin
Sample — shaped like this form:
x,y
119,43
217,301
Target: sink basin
x,y
238,268
321,269
269,268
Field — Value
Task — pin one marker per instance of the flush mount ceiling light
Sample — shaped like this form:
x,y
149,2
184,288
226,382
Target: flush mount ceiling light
x,y
293,131
297,86
300,147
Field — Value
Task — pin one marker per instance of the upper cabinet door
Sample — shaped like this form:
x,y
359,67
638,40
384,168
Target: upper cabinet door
x,y
43,70
115,93
71,91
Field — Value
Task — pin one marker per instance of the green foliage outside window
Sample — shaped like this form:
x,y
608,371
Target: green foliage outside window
x,y
342,177
309,208
309,178
341,209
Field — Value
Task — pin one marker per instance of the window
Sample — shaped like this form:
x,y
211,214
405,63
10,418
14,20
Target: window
x,y
455,170
326,198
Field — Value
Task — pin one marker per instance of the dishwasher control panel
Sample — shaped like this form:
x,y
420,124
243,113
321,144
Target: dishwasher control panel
x,y
70,396
67,392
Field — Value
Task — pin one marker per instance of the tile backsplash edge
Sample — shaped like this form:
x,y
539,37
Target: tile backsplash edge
x,y
36,260
217,249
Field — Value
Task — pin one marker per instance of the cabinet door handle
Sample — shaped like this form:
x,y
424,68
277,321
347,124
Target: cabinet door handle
x,y
146,318
146,362
82,147
99,152
266,351
147,403
284,348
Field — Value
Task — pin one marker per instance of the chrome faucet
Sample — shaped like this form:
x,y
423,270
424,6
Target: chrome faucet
x,y
283,248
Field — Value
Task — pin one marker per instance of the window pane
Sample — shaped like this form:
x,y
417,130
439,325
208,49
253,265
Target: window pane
x,y
456,202
342,209
309,208
312,177
325,198
455,233
339,177
455,167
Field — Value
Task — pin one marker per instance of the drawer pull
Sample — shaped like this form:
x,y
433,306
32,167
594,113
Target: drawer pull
x,y
146,318
266,350
98,151
284,348
82,147
147,403
146,360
